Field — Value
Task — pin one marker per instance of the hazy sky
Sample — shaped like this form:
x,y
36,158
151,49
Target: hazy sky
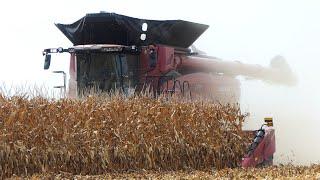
x,y
251,31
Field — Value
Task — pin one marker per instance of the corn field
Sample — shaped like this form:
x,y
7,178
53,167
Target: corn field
x,y
96,135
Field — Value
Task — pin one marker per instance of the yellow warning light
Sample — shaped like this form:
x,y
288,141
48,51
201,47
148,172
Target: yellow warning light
x,y
268,121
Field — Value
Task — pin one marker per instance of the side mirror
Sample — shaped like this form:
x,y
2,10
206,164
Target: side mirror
x,y
47,61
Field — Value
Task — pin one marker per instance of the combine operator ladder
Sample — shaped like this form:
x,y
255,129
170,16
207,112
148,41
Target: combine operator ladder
x,y
261,150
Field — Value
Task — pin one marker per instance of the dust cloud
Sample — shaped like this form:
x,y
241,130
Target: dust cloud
x,y
295,111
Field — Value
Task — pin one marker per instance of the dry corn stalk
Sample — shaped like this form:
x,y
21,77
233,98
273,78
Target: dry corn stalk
x,y
97,135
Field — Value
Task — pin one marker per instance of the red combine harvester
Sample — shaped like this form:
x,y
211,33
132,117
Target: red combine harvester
x,y
113,51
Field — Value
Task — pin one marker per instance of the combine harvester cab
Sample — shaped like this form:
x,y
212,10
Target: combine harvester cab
x,y
115,51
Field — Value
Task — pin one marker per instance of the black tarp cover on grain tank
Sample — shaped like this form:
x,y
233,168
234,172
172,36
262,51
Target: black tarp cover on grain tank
x,y
111,28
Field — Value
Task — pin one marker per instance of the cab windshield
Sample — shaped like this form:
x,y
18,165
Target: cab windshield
x,y
107,71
